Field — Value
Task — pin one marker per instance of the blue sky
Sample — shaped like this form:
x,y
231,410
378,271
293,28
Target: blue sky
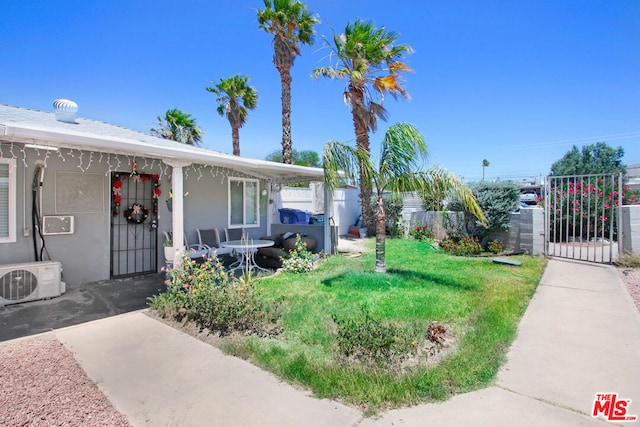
x,y
515,82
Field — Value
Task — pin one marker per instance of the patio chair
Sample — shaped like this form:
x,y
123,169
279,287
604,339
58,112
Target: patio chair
x,y
196,251
235,234
211,239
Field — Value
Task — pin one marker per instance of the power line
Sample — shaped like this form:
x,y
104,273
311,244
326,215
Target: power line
x,y
614,136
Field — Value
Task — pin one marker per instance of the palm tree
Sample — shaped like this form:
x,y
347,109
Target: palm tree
x,y
292,26
368,58
235,97
485,164
178,126
402,152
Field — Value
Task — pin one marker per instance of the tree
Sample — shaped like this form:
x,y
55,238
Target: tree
x,y
291,26
398,171
368,58
301,158
235,97
497,200
485,164
592,159
178,126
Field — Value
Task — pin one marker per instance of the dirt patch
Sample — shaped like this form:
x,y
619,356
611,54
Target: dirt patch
x,y
347,244
427,354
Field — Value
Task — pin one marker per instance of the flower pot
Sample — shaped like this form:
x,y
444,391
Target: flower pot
x,y
168,253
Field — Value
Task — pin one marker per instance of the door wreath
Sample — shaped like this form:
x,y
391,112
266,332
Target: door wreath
x,y
136,213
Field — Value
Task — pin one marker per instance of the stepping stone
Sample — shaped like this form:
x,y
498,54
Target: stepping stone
x,y
507,261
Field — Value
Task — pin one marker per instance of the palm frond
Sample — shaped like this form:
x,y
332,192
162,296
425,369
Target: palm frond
x,y
344,161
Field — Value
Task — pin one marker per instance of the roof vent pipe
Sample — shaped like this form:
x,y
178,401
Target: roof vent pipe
x,y
65,110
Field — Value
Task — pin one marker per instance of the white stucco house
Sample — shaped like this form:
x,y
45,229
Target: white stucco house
x,y
102,189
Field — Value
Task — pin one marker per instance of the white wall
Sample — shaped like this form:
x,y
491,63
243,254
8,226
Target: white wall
x,y
346,209
85,255
346,204
298,198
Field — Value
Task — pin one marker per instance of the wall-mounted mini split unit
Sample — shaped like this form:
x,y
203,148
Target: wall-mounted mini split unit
x,y
30,281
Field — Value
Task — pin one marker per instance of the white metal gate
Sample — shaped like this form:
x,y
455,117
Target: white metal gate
x,y
582,217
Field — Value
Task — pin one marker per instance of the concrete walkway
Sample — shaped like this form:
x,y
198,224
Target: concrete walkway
x,y
580,336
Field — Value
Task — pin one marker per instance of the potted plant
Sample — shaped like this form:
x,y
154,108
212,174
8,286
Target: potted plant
x,y
168,250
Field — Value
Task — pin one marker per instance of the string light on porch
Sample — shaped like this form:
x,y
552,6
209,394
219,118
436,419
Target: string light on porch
x,y
88,159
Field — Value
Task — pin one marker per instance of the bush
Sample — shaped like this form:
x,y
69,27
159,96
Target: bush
x,y
495,247
497,200
299,260
466,246
436,332
455,224
629,260
205,293
372,341
422,232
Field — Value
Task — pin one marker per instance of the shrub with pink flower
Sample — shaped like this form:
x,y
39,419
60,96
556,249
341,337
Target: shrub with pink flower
x,y
585,206
203,292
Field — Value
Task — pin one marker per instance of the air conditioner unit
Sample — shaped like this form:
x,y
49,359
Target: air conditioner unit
x,y
30,281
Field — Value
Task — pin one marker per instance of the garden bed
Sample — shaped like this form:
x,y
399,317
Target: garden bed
x,y
361,337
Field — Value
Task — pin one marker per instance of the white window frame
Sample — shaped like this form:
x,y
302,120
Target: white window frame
x,y
11,213
244,202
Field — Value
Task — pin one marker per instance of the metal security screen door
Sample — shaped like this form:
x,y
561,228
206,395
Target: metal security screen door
x,y
134,207
582,216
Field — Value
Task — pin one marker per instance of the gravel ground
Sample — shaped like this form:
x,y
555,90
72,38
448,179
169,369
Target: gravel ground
x,y
631,277
41,384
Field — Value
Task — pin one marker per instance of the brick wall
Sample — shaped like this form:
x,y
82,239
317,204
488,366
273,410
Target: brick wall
x,y
526,231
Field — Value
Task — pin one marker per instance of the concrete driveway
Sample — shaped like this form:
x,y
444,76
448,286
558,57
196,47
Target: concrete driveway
x,y
79,304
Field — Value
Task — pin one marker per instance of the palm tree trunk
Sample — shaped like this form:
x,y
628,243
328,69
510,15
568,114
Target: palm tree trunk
x,y
235,137
362,141
285,80
381,235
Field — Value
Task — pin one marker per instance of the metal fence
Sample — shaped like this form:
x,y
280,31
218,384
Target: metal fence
x,y
582,216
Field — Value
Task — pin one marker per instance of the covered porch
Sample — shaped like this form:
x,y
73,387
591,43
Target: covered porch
x,y
80,161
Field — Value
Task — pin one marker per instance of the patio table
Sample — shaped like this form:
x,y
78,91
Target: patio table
x,y
245,251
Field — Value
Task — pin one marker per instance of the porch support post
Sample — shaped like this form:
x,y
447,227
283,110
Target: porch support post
x,y
269,209
177,221
328,215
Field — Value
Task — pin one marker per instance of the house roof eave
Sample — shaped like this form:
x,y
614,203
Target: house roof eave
x,y
163,150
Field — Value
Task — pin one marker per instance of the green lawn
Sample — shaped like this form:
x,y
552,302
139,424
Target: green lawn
x,y
480,301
